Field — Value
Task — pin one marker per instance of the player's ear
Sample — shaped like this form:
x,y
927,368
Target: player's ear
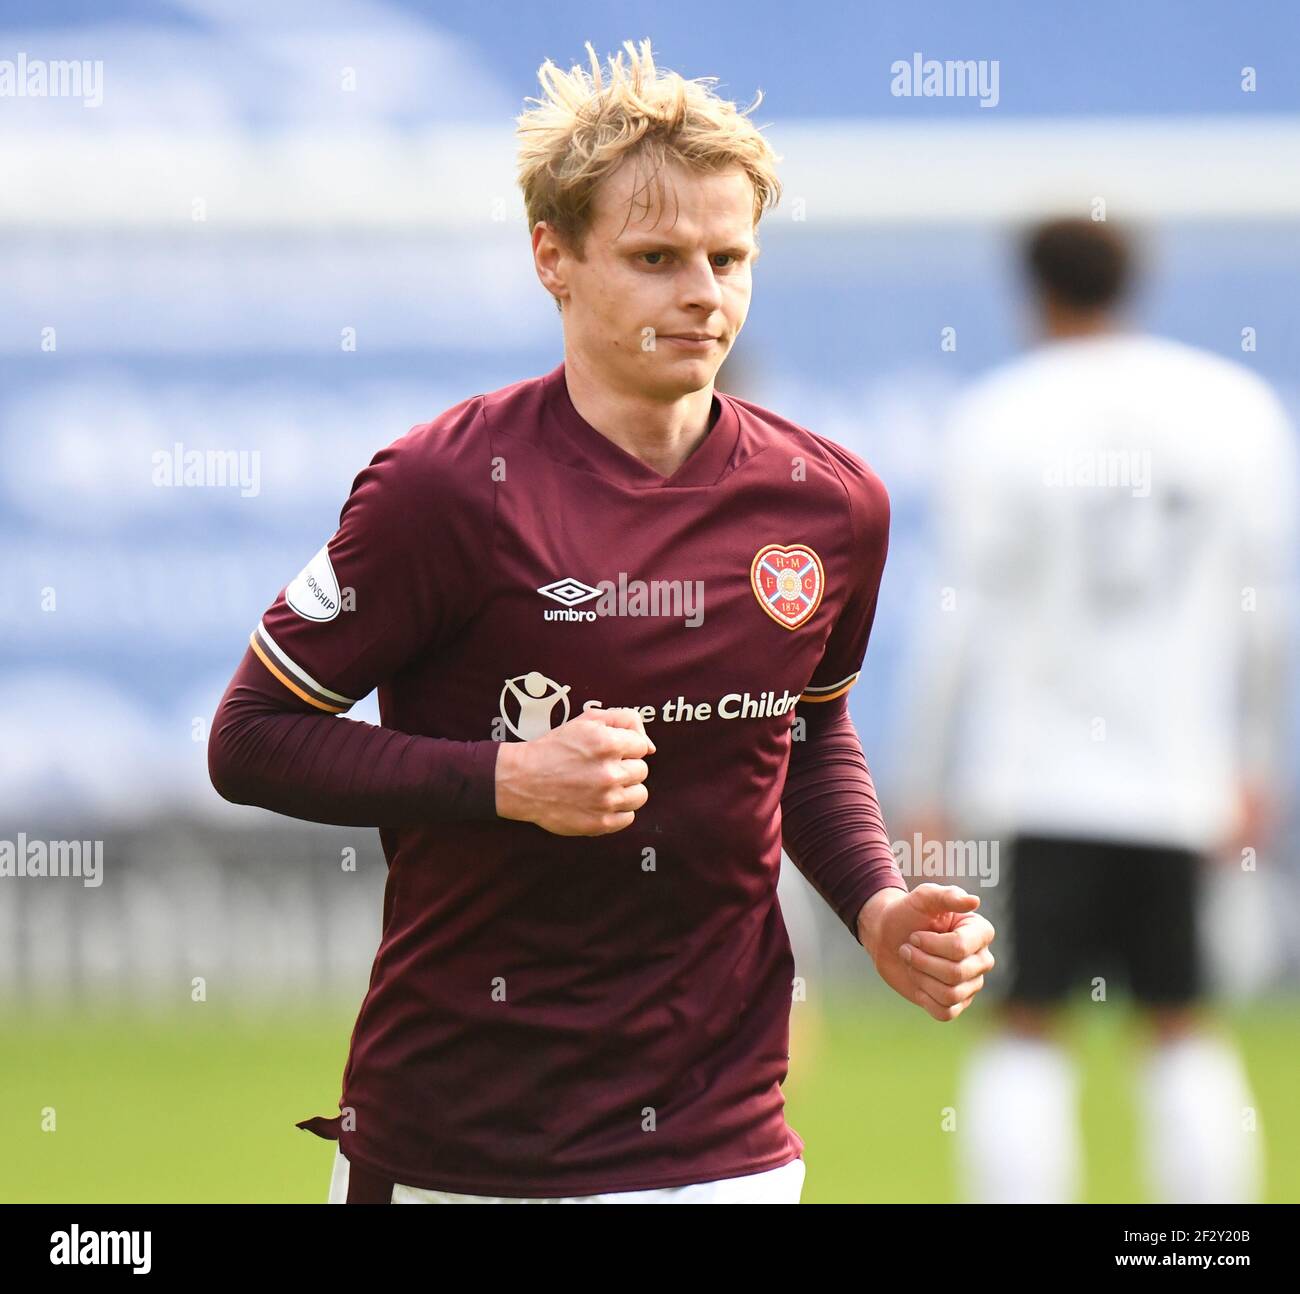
x,y
549,254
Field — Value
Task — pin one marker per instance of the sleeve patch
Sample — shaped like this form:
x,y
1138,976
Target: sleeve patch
x,y
314,593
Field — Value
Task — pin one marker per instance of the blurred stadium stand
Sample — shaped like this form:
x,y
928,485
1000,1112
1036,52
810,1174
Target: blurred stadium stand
x,y
391,209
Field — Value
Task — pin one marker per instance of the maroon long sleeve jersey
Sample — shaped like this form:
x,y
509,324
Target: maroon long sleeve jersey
x,y
556,1015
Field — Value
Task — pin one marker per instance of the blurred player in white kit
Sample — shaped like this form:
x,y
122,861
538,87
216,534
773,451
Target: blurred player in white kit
x,y
1104,688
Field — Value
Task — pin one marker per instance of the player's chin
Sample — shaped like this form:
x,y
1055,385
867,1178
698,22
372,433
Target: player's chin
x,y
690,375
692,367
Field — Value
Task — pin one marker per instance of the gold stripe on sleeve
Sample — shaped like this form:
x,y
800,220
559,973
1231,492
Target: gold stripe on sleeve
x,y
293,687
829,696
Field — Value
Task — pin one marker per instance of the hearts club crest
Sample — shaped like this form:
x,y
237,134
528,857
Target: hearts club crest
x,y
787,580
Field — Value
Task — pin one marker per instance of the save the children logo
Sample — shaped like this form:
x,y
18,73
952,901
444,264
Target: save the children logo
x,y
531,704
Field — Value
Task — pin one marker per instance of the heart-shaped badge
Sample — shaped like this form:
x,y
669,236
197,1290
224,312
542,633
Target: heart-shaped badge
x,y
787,580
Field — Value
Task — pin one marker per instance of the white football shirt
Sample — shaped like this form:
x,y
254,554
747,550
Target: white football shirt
x,y
1117,536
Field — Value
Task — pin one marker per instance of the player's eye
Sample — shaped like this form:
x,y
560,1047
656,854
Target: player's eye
x,y
730,259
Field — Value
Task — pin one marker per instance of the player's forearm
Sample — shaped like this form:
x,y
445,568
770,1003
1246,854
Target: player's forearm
x,y
324,768
832,826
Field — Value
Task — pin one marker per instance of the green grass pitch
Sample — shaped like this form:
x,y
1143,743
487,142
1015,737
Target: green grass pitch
x,y
200,1107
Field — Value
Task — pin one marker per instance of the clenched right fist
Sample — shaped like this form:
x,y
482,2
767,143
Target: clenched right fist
x,y
584,778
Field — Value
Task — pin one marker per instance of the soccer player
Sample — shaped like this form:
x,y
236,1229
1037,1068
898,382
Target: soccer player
x,y
612,616
1117,517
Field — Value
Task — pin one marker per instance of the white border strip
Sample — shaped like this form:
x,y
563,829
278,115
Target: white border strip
x,y
1188,167
833,172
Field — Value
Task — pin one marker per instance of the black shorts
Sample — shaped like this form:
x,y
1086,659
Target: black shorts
x,y
1085,908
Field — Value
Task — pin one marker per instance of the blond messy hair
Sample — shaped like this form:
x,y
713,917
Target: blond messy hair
x,y
585,126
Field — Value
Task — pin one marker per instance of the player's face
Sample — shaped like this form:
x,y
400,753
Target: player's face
x,y
653,276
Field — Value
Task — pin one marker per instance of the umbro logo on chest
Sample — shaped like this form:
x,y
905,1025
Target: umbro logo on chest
x,y
673,599
787,579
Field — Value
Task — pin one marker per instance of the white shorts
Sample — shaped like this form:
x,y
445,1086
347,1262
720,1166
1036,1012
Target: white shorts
x,y
783,1185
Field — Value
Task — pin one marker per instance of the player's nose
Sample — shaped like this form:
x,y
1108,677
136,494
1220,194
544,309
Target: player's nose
x,y
701,291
